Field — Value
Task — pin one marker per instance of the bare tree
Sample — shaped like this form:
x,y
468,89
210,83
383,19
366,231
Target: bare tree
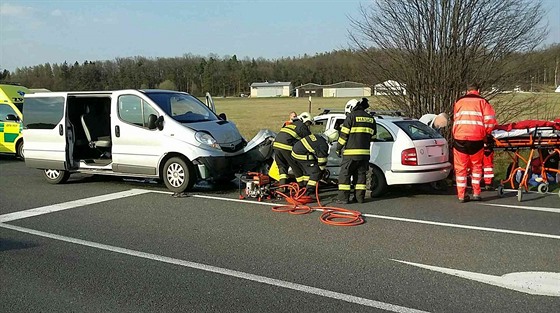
x,y
435,47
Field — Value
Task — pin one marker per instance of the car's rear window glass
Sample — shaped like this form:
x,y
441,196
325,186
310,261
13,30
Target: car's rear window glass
x,y
417,130
43,113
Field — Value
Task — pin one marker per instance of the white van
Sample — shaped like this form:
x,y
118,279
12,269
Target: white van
x,y
167,135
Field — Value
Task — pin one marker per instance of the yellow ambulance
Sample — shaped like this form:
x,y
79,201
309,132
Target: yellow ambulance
x,y
11,106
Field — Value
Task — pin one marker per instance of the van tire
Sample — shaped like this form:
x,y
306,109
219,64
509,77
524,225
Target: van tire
x,y
19,149
375,181
178,175
56,176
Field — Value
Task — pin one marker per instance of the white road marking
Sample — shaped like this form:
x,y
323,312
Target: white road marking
x,y
535,283
69,205
488,229
533,208
223,271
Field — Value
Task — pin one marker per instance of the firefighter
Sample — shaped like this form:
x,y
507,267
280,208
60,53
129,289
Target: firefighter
x,y
291,117
356,133
474,119
283,143
311,154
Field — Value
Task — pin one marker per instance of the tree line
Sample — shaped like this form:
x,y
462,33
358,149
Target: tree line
x,y
535,70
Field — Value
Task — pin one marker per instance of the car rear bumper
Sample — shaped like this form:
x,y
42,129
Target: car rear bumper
x,y
418,175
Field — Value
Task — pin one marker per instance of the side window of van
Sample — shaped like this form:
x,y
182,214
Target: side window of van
x,y
134,110
43,113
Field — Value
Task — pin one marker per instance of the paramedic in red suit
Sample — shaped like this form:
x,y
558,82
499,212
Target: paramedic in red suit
x,y
488,167
474,119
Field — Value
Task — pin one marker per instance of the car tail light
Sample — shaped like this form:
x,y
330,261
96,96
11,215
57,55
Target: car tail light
x,y
409,157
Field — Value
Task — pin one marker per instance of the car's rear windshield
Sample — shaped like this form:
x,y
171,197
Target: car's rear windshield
x,y
417,130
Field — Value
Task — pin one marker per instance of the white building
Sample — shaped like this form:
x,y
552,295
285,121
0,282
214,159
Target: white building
x,y
389,87
346,89
271,89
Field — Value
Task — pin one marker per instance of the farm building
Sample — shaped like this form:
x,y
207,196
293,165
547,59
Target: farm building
x,y
271,89
342,89
389,87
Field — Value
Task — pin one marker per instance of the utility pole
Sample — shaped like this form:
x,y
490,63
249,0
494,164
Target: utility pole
x,y
309,105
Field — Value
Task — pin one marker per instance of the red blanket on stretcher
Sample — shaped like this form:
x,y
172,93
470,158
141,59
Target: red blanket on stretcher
x,y
529,124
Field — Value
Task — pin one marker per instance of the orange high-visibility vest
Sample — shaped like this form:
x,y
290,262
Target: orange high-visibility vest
x,y
474,117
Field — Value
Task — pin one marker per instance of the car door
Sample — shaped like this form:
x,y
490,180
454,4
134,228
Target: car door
x,y
136,148
10,127
46,131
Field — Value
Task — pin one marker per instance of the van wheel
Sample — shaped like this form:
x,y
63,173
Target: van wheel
x,y
56,176
19,149
375,181
178,175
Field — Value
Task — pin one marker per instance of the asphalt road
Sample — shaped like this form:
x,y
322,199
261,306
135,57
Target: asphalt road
x,y
101,244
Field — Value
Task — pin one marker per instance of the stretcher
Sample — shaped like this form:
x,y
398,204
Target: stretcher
x,y
531,137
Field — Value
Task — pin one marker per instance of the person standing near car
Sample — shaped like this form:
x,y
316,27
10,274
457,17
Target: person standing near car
x,y
474,119
435,121
288,135
356,134
311,154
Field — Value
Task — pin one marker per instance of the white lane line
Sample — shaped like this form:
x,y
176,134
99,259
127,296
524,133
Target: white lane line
x,y
401,219
534,283
223,271
69,205
495,230
533,208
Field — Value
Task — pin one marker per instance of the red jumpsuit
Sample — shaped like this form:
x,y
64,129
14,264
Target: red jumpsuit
x,y
474,119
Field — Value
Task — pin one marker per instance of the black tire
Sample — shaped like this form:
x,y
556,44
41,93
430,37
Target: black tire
x,y
19,149
56,176
375,181
178,175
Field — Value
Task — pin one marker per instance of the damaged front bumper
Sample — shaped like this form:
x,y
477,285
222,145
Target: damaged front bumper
x,y
257,152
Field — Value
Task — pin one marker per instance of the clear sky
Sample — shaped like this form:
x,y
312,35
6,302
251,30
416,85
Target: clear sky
x,y
34,32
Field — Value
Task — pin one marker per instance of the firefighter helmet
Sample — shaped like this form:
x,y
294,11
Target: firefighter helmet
x,y
331,135
305,117
350,105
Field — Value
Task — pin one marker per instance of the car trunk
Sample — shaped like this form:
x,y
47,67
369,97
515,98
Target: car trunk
x,y
431,151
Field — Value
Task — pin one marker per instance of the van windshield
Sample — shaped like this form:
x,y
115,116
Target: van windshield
x,y
182,107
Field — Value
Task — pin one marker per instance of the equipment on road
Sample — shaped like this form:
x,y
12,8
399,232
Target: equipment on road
x,y
257,185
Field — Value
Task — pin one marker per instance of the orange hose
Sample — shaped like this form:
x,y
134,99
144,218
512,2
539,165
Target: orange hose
x,y
331,215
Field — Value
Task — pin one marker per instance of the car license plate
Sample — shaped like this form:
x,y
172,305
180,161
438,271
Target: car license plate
x,y
435,150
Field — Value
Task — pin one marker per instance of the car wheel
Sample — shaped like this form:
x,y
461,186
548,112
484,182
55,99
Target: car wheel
x,y
19,149
178,175
376,182
56,176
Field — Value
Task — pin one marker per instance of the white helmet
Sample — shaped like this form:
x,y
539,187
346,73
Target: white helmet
x,y
331,135
305,117
350,105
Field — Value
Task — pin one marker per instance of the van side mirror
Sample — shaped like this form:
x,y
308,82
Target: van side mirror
x,y
12,117
152,119
159,122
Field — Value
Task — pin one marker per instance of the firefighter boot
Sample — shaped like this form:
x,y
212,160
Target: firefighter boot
x,y
343,197
361,196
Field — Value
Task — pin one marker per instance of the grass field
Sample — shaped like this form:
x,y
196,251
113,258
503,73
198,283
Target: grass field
x,y
252,114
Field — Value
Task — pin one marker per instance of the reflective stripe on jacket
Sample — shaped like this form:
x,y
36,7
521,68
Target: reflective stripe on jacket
x,y
356,134
474,117
312,147
290,134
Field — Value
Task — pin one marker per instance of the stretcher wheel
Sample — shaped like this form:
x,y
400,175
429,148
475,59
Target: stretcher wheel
x,y
500,191
520,194
542,188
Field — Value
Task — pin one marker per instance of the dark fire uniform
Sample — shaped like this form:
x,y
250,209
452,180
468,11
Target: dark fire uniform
x,y
311,154
283,143
357,131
